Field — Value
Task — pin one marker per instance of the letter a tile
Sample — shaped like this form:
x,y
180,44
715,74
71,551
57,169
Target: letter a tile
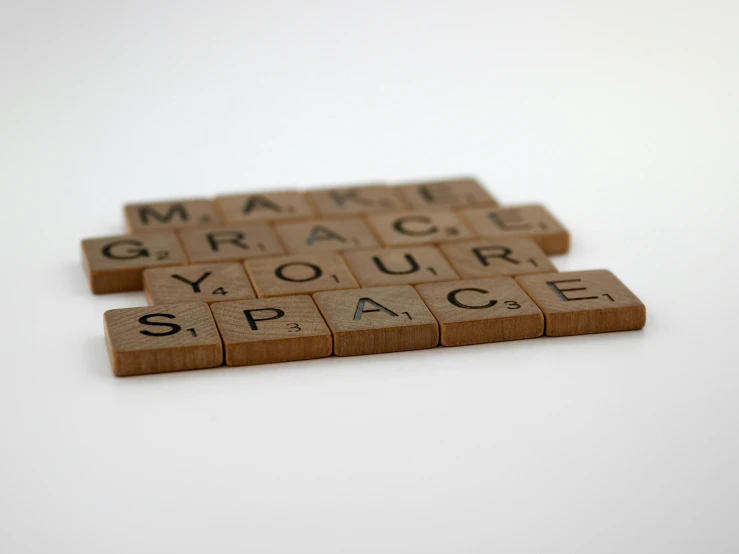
x,y
377,320
582,302
156,339
272,330
261,208
326,235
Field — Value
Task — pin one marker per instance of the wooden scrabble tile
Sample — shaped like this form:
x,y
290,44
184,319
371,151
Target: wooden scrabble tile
x,y
197,283
348,201
582,302
230,244
268,206
272,330
171,215
412,227
116,264
530,221
477,311
325,235
299,274
410,265
460,192
377,320
496,257
156,339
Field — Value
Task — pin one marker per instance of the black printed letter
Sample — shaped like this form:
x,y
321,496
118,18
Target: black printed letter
x,y
174,328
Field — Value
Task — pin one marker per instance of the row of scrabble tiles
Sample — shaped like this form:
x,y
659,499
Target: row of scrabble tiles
x,y
309,273
294,205
196,335
116,264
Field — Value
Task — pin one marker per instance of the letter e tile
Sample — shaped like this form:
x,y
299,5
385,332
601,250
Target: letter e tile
x,y
582,302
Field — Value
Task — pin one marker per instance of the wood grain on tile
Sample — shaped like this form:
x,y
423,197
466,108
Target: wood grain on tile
x,y
496,257
410,265
414,227
299,274
476,311
530,221
157,339
362,199
171,215
230,244
197,283
377,320
265,207
116,264
450,193
272,330
326,235
582,302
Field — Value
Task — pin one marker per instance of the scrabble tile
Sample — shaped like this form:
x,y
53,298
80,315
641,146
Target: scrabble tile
x,y
476,311
496,257
230,244
530,221
348,201
116,264
412,227
326,235
156,339
582,302
171,215
265,207
410,265
299,274
460,192
377,320
197,283
272,330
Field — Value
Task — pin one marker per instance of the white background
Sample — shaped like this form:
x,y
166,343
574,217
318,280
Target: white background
x,y
621,117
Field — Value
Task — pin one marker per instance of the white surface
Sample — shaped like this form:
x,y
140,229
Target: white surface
x,y
622,119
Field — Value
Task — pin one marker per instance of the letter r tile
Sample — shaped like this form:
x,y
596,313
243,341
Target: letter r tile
x,y
496,257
